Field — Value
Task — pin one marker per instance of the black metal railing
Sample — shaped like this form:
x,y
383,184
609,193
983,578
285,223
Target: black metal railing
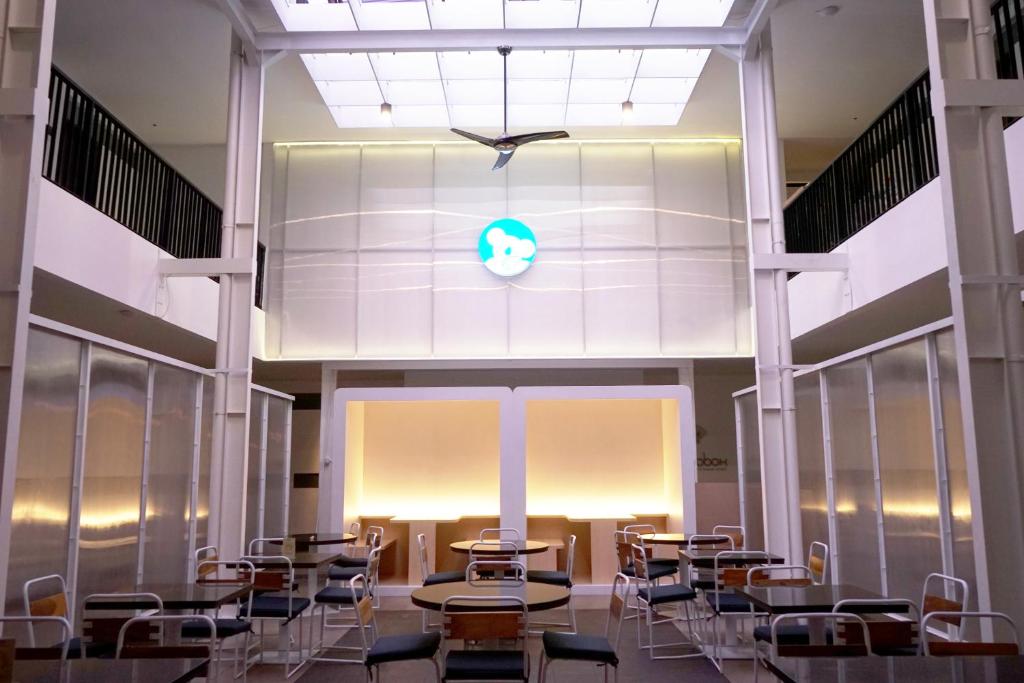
x,y
894,158
95,157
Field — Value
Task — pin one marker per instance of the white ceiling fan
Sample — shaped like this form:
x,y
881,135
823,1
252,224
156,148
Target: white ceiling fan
x,y
506,144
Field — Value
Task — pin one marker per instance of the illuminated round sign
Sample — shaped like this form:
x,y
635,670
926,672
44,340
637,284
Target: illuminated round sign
x,y
507,247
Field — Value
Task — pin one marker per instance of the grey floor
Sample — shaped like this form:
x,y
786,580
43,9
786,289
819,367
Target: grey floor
x,y
633,666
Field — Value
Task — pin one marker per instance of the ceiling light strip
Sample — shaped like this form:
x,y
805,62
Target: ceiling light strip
x,y
574,141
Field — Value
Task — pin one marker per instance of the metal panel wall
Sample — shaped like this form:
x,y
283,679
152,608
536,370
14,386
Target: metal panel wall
x,y
750,481
813,494
254,471
205,456
275,515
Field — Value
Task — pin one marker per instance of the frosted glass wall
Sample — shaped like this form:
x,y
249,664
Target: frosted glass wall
x,y
748,441
373,251
269,469
890,437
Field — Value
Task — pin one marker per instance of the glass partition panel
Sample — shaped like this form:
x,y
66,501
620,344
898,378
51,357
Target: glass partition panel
x,y
205,455
854,476
753,503
276,497
253,479
909,499
811,456
956,464
109,536
169,485
42,489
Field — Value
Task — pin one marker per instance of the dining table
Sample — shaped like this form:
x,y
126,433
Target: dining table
x,y
538,596
1006,669
95,670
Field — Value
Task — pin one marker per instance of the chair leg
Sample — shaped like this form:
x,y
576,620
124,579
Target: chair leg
x,y
437,668
542,669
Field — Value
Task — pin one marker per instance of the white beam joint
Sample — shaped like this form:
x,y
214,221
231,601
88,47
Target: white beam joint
x,y
958,92
799,263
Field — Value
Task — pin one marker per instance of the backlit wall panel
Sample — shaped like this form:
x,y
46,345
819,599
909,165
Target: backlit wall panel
x,y
373,251
749,441
813,494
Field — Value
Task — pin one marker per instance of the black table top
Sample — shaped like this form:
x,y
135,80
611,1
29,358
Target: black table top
x,y
179,596
787,600
705,558
313,539
109,670
900,669
300,561
538,596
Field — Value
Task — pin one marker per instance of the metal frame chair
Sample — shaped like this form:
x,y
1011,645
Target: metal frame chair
x,y
431,578
842,620
264,608
100,631
734,531
257,542
649,596
761,577
507,551
588,647
475,569
143,647
643,529
556,578
955,648
500,534
507,617
208,568
338,596
624,542
721,599
886,636
56,604
946,601
32,651
817,562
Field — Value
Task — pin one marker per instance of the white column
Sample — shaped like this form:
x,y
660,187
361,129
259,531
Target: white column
x,y
984,285
237,290
773,354
26,46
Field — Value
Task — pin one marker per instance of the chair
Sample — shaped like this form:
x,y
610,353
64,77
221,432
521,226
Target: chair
x,y
377,650
761,577
500,534
817,561
641,530
271,605
700,579
889,636
374,538
503,617
487,570
497,552
949,595
845,643
721,600
649,596
736,533
58,651
340,597
557,578
433,578
208,572
255,545
53,602
960,648
153,636
594,649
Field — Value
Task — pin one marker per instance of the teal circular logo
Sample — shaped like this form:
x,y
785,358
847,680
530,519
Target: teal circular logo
x,y
507,247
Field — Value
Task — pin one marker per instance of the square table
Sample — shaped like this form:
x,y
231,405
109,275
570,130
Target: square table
x,y
184,597
704,558
899,669
312,562
110,670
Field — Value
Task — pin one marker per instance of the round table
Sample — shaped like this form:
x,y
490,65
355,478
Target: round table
x,y
303,542
538,596
680,539
525,547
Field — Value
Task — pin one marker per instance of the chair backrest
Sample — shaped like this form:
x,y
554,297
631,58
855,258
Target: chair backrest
x,y
726,572
494,551
51,600
570,556
504,616
279,576
954,648
146,637
103,626
490,569
617,609
354,528
817,561
638,557
240,571
624,541
32,651
640,529
362,607
500,534
761,577
206,553
256,544
736,533
851,637
944,593
710,542
373,570
887,632
374,536
421,545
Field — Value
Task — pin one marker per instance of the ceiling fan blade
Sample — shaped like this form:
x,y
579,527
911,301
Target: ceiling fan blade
x,y
503,158
475,138
536,137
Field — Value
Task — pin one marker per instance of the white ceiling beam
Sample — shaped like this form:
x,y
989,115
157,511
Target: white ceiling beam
x,y
758,19
457,40
239,20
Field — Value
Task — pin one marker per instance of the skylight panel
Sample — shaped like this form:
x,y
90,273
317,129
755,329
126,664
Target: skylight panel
x,y
662,90
379,15
620,13
605,63
421,116
413,92
672,63
541,13
692,13
476,115
338,67
470,65
473,92
536,116
593,114
445,14
315,15
539,63
597,90
350,92
538,91
657,114
405,66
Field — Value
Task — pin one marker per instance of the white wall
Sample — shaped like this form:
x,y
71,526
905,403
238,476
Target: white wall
x,y
904,245
373,252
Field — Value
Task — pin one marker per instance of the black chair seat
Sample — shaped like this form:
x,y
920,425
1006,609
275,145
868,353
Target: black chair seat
x,y
702,584
275,607
654,572
344,573
226,628
791,634
337,595
444,577
484,665
673,592
579,647
727,603
553,578
663,562
403,647
346,561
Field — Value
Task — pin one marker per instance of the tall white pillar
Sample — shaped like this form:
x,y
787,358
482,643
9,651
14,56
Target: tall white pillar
x,y
26,46
237,291
773,347
985,286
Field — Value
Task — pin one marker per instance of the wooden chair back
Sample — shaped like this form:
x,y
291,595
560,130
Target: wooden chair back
x,y
58,651
817,561
483,625
960,648
764,576
55,605
638,555
887,632
950,609
736,533
158,637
